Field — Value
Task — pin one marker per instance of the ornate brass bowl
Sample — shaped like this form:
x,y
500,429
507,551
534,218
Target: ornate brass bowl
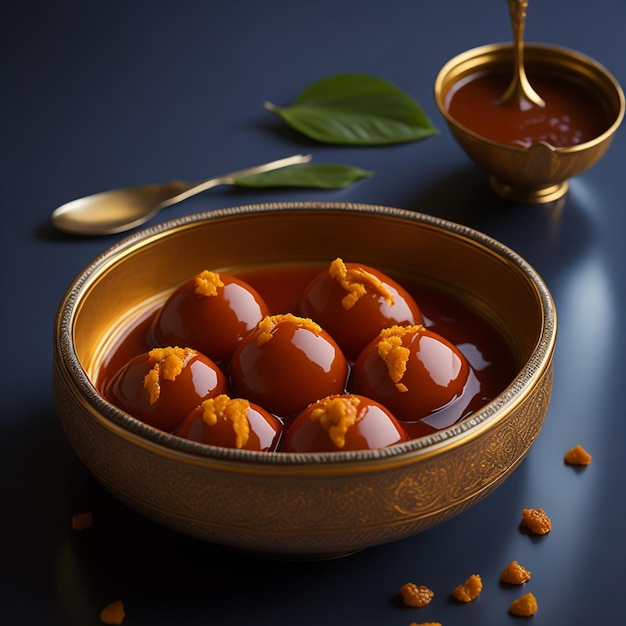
x,y
315,505
539,173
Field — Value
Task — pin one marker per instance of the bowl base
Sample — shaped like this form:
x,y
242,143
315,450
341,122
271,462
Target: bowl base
x,y
542,195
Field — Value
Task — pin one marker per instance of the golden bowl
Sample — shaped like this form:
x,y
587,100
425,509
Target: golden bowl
x,y
313,505
539,173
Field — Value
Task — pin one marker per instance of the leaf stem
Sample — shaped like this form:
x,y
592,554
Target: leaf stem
x,y
270,107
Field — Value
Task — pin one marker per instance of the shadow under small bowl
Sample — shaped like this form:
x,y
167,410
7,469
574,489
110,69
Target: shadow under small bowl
x,y
539,173
314,505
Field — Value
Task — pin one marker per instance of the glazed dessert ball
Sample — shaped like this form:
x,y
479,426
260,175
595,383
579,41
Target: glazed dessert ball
x,y
211,313
231,423
412,371
286,363
354,302
162,386
342,422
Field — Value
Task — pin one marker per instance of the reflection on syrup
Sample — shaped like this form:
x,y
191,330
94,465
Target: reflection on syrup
x,y
573,113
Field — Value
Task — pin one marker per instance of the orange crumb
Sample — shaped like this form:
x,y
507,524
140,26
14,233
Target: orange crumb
x,y
224,408
425,624
416,596
82,521
536,521
269,322
469,590
514,574
168,364
113,613
524,606
357,281
577,456
336,415
394,354
207,283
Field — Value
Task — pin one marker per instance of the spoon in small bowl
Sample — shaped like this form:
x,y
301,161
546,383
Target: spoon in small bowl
x,y
520,91
120,210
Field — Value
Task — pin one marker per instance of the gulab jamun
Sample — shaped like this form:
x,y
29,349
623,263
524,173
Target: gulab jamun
x,y
286,363
211,313
231,423
411,370
162,386
342,422
354,302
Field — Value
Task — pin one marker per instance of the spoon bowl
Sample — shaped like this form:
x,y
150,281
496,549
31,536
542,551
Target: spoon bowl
x,y
114,211
119,210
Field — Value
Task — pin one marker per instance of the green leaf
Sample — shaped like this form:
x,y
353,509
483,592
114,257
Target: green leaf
x,y
356,109
321,176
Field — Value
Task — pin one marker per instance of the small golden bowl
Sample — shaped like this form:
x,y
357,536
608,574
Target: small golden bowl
x,y
539,173
313,505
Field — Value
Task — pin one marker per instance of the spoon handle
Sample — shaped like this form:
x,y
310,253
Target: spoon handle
x,y
224,179
517,11
520,89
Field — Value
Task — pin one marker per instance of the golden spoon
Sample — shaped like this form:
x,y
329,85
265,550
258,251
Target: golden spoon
x,y
520,90
119,210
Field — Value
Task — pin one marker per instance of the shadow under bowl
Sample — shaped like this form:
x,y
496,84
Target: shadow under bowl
x,y
313,505
539,173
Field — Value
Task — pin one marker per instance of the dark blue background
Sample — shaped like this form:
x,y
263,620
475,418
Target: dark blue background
x,y
98,95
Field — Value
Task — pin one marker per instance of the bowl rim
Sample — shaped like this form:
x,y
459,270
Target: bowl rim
x,y
68,367
565,52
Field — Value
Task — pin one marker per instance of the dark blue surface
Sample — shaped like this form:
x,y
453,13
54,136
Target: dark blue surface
x,y
110,94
